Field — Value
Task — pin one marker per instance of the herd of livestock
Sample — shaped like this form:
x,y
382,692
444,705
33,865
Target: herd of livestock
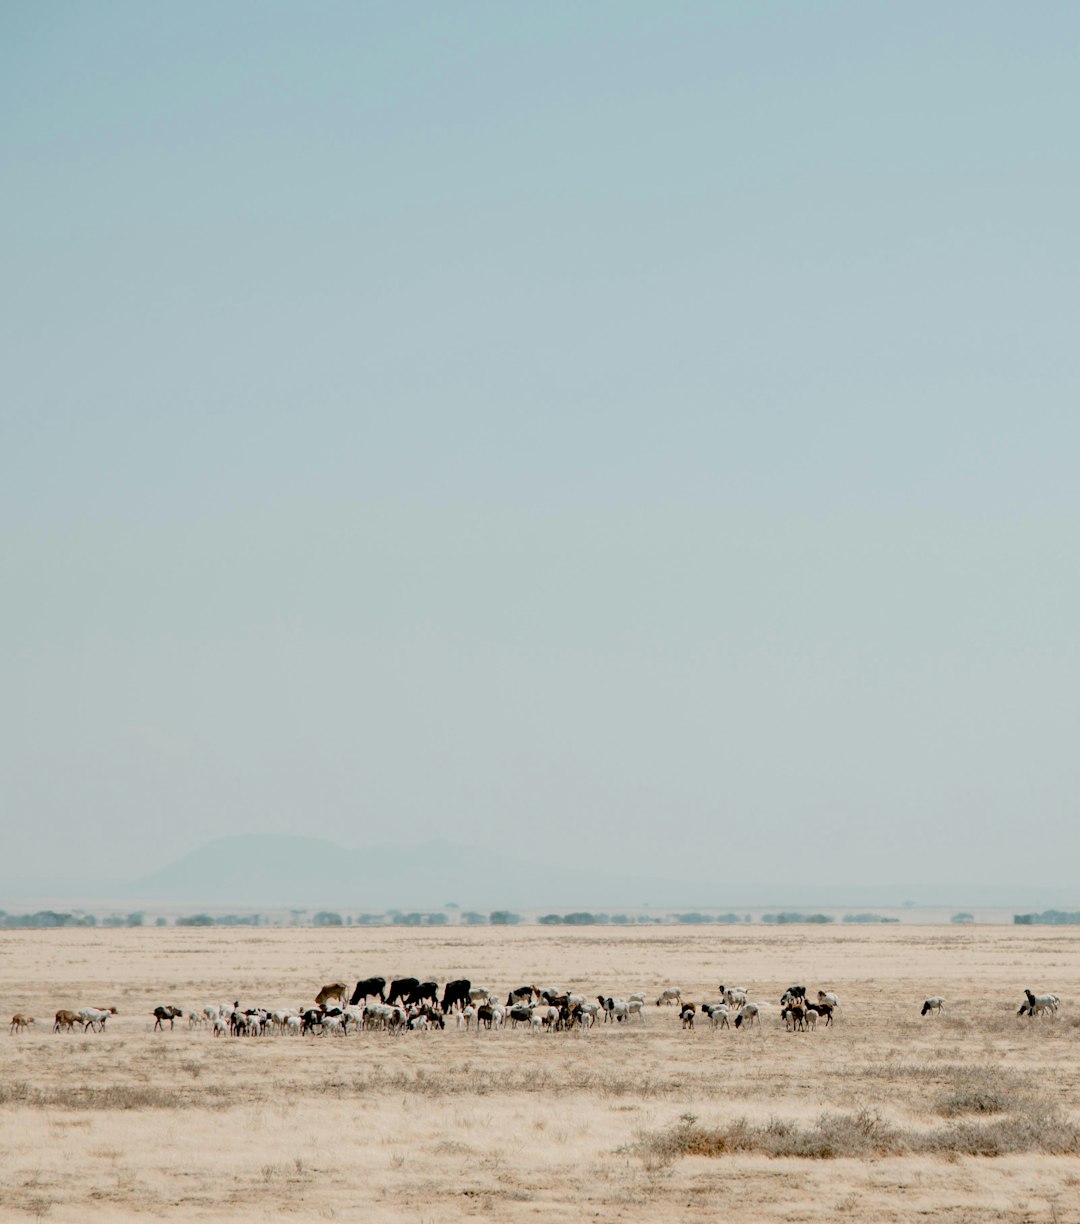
x,y
407,1004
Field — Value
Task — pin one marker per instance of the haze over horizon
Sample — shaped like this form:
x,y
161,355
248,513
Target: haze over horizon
x,y
639,438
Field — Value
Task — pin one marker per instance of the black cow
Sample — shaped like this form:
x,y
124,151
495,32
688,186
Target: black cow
x,y
400,987
425,992
166,1013
366,988
456,992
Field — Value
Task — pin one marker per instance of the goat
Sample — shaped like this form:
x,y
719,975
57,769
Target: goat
x,y
824,1009
794,1017
811,1018
161,1014
686,1015
934,1005
669,998
95,1017
20,1022
824,996
65,1020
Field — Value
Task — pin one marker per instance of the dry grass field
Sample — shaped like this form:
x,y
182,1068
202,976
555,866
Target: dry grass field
x,y
885,1116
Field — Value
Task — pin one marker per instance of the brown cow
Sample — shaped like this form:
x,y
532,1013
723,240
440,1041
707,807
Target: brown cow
x,y
336,990
19,1022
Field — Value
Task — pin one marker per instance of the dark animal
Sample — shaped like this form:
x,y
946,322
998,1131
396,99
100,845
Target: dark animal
x,y
794,1016
523,994
792,995
161,1014
425,992
456,992
485,1014
401,987
65,1020
311,1019
366,988
687,1015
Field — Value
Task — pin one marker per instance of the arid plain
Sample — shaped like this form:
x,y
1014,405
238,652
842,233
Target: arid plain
x,y
894,1113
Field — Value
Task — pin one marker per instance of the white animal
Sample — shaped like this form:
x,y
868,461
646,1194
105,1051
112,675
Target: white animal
x,y
95,1017
669,997
934,1005
748,1015
718,1014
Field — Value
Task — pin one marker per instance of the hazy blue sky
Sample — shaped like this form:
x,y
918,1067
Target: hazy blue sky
x,y
616,432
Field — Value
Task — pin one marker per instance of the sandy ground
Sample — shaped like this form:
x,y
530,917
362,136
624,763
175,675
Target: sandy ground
x,y
425,1126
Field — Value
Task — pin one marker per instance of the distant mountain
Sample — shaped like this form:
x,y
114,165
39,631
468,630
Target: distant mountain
x,y
260,869
310,872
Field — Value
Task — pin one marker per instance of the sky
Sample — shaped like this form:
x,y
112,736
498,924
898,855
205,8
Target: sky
x,y
639,436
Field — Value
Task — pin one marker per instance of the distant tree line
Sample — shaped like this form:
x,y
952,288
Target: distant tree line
x,y
867,918
1049,918
793,916
46,918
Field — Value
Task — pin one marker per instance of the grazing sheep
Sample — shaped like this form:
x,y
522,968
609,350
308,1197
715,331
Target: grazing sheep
x,y
669,998
20,1022
718,1014
1038,1005
748,1015
934,1005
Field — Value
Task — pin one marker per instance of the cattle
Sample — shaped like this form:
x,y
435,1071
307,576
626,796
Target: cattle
x,y
161,1014
336,990
401,987
367,987
425,992
458,991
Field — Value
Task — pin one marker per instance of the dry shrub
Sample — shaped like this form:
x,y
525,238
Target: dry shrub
x,y
981,1090
862,1135
119,1096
